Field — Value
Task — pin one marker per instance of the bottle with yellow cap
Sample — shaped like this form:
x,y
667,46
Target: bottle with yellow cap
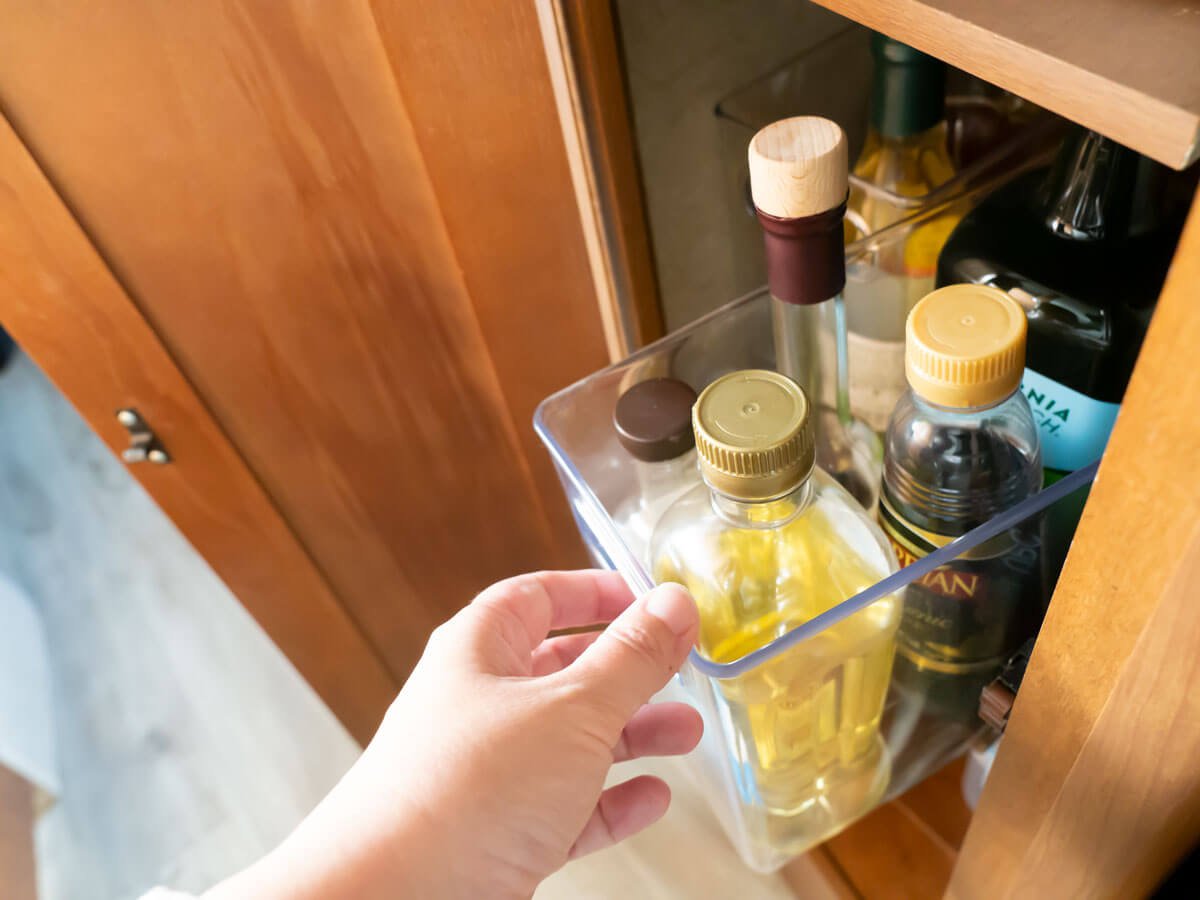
x,y
962,447
766,544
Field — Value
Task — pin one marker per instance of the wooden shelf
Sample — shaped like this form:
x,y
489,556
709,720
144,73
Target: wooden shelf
x,y
906,848
1124,68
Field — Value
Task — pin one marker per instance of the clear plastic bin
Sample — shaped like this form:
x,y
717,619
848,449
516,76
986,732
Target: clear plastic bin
x,y
576,426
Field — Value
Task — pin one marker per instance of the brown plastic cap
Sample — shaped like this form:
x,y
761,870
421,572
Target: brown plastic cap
x,y
653,419
754,435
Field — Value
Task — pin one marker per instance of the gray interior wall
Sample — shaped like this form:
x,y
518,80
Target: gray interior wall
x,y
766,59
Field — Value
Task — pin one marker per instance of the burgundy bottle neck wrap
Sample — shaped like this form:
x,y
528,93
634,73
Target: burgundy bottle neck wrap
x,y
806,257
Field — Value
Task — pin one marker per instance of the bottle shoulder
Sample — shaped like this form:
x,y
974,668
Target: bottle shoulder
x,y
1011,421
954,469
695,535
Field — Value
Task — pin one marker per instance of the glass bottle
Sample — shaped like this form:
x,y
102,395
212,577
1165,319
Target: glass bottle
x,y
962,447
1083,247
798,180
768,542
905,156
653,421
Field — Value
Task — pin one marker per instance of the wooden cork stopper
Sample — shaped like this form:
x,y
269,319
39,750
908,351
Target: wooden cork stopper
x,y
798,167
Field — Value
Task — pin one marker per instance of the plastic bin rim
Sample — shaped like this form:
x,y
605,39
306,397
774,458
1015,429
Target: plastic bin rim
x,y
891,584
900,579
641,582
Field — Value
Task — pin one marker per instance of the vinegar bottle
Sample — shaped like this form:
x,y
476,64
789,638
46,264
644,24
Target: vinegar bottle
x,y
961,448
767,543
798,180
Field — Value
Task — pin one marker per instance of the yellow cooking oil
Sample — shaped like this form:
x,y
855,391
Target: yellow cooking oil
x,y
767,544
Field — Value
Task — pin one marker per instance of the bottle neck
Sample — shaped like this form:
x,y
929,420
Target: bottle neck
x,y
763,513
1088,191
810,348
907,98
921,403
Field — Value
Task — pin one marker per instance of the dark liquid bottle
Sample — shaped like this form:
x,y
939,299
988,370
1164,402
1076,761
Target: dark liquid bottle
x,y
961,448
1083,247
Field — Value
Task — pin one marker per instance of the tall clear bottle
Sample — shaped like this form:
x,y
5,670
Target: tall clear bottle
x,y
905,155
962,447
798,179
766,544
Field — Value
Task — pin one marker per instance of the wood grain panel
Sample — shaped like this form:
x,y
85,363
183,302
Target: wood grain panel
x,y
904,849
1131,543
901,850
252,173
18,864
938,804
1129,810
585,68
1127,70
483,113
61,302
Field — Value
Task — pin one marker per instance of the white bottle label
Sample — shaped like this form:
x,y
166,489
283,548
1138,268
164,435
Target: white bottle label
x,y
1073,427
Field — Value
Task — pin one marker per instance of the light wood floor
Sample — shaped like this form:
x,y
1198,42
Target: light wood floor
x,y
188,745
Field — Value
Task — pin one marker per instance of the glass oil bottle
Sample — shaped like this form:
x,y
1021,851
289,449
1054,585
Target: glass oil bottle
x,y
766,544
962,447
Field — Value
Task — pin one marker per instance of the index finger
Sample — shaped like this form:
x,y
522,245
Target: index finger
x,y
541,601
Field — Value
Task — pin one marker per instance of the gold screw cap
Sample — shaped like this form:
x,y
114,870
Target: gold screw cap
x,y
965,346
754,434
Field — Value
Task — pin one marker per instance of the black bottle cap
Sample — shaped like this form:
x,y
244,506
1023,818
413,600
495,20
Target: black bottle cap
x,y
654,419
908,93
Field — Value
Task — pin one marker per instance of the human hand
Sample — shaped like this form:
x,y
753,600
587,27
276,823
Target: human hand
x,y
487,773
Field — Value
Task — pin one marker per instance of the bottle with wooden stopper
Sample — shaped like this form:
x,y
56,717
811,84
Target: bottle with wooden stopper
x,y
798,179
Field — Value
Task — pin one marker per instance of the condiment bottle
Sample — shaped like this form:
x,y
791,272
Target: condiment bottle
x,y
962,447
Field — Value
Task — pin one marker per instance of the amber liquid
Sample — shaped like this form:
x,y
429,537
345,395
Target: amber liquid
x,y
809,718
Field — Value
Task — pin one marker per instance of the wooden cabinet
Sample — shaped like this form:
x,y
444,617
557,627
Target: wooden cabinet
x,y
331,254
1093,793
335,253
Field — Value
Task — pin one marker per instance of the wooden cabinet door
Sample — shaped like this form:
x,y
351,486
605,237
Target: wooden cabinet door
x,y
68,311
351,228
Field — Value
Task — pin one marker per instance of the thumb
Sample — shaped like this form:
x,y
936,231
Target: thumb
x,y
639,652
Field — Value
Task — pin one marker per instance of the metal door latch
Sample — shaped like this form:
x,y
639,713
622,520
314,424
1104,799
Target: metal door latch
x,y
143,445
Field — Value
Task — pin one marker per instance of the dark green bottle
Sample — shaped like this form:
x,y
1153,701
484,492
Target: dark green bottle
x,y
1084,247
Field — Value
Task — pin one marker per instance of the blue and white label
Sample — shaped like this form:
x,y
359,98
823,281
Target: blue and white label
x,y
1073,427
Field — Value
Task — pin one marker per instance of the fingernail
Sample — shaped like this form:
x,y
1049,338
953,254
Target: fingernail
x,y
673,605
